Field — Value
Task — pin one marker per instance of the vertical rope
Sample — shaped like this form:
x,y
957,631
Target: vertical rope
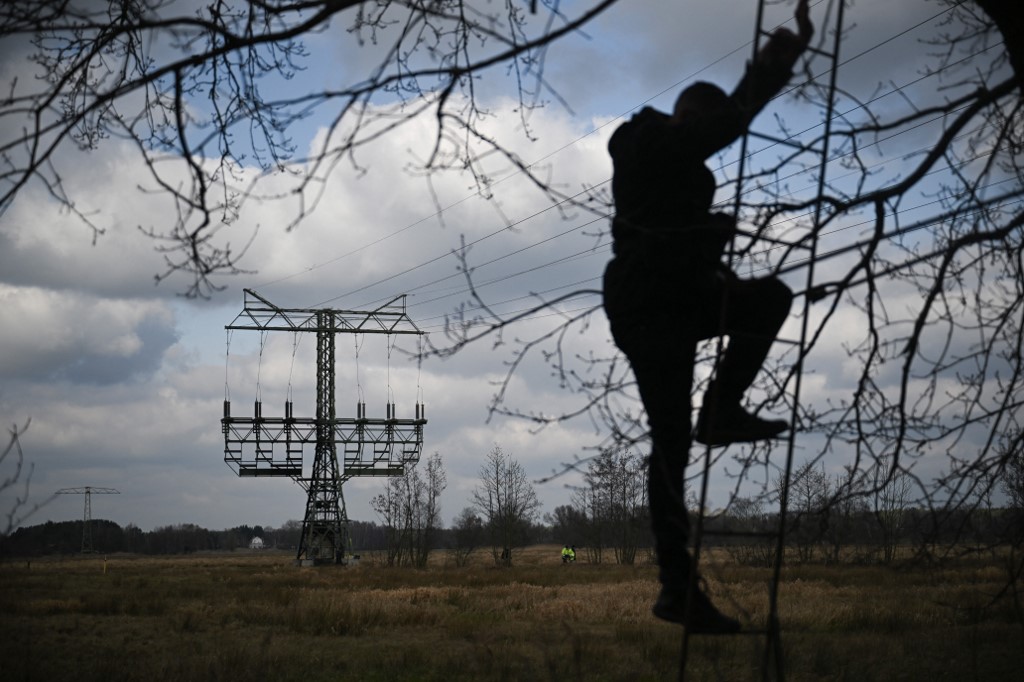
x,y
227,360
291,370
419,369
391,347
264,336
357,341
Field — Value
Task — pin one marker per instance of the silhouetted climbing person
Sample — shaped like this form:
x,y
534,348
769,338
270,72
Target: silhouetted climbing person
x,y
666,289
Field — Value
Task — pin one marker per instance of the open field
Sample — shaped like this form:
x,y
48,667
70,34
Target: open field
x,y
247,616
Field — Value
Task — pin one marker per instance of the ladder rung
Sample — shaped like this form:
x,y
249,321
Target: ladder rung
x,y
788,342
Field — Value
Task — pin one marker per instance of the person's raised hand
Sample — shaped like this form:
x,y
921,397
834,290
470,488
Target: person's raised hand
x,y
803,22
784,46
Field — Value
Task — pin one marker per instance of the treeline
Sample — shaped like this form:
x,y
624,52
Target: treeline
x,y
65,537
860,535
829,518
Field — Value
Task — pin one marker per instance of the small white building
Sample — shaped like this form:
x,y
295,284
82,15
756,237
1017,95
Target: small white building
x,y
256,543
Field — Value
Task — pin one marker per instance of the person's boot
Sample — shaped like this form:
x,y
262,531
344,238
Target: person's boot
x,y
701,618
730,423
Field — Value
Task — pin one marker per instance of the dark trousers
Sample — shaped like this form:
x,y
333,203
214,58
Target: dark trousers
x,y
658,314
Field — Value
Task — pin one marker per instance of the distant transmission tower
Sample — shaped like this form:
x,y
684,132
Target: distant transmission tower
x,y
88,491
274,446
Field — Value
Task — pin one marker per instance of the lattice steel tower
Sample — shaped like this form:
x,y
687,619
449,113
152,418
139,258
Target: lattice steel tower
x,y
274,446
88,491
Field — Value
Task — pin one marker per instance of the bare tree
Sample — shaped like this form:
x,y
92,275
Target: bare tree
x,y
197,87
809,495
410,508
890,507
427,512
568,525
845,512
747,517
594,531
16,480
507,501
613,500
395,512
467,534
1013,471
908,256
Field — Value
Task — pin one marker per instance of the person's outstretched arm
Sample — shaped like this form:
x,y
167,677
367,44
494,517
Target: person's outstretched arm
x,y
773,66
707,132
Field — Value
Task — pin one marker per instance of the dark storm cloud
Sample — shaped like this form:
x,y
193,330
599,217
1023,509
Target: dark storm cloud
x,y
155,335
82,341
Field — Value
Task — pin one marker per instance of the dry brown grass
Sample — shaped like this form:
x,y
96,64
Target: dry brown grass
x,y
257,617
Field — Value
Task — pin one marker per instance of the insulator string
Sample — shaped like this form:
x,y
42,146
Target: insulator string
x,y
264,336
291,370
358,341
227,359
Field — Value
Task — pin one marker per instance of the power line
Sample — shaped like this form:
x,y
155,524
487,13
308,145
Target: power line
x,y
571,230
898,232
562,202
465,290
512,174
463,248
517,172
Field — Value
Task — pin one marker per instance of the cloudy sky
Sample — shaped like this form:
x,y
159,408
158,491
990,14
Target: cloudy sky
x,y
123,380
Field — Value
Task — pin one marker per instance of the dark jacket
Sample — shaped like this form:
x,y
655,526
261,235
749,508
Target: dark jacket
x,y
662,188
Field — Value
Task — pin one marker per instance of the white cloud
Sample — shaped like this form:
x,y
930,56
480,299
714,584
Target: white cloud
x,y
80,338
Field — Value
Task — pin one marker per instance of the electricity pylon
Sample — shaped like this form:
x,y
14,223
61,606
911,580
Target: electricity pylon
x,y
274,446
88,491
